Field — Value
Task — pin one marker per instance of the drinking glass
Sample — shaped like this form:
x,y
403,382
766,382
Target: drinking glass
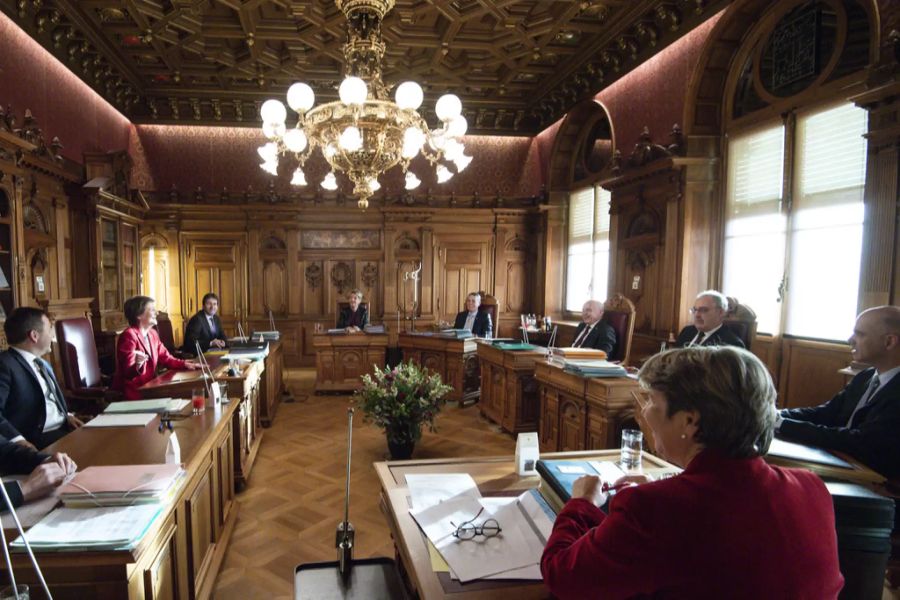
x,y
318,328
198,400
630,456
8,593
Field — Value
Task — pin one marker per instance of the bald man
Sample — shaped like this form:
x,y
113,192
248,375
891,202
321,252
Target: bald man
x,y
592,332
863,419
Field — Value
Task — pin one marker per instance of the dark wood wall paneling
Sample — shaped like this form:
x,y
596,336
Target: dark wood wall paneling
x,y
299,263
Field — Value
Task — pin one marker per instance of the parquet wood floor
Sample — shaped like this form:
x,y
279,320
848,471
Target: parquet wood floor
x,y
295,497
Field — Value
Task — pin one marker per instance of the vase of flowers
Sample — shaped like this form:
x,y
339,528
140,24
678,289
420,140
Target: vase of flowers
x,y
401,400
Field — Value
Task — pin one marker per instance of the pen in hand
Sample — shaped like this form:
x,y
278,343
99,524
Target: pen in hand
x,y
606,487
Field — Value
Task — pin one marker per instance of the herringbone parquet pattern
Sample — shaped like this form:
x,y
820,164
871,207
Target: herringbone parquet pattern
x,y
295,498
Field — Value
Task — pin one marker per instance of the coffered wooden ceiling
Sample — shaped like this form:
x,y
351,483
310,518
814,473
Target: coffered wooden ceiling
x,y
517,65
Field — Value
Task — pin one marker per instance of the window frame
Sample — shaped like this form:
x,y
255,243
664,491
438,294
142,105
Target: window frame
x,y
596,187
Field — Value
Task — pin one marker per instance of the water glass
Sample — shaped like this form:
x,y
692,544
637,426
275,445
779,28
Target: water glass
x,y
21,592
198,400
630,456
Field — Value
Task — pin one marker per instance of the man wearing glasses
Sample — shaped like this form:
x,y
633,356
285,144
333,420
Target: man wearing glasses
x,y
708,328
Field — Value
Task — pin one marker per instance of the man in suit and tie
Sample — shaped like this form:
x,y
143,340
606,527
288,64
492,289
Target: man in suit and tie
x,y
205,327
863,419
476,321
592,332
33,411
709,328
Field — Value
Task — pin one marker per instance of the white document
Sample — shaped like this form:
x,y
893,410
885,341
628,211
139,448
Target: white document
x,y
608,470
429,489
121,420
108,527
480,557
571,469
158,405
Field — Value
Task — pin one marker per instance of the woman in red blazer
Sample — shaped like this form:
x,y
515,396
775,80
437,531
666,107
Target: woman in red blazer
x,y
729,526
139,351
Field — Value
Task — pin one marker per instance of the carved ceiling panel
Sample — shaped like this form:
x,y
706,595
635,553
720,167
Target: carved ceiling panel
x,y
517,65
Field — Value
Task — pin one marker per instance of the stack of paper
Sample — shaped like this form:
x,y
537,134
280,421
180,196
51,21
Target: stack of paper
x,y
266,335
122,485
594,368
158,406
121,420
460,334
580,353
525,522
108,528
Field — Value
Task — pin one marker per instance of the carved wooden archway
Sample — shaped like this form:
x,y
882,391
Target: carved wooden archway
x,y
568,146
712,78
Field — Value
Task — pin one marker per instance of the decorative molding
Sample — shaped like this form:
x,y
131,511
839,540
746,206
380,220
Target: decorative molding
x,y
370,274
313,274
351,239
341,276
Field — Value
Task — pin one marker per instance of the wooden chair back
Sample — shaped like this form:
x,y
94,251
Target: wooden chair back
x,y
618,313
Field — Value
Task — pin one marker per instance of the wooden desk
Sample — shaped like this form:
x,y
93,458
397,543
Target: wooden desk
x,y
509,392
243,389
579,413
453,359
183,550
342,359
272,383
495,476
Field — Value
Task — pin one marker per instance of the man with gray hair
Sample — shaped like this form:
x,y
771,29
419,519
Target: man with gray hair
x,y
708,329
592,332
863,419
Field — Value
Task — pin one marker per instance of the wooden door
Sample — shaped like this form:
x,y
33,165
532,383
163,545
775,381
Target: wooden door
x,y
218,265
463,266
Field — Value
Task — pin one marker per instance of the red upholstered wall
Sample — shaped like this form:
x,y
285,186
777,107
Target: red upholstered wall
x,y
651,95
63,105
211,158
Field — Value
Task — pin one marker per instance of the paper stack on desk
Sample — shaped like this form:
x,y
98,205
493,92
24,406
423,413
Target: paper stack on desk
x,y
525,522
594,368
121,420
122,485
158,406
108,528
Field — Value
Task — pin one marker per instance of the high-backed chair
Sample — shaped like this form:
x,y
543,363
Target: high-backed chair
x,y
490,306
618,313
85,388
167,335
741,320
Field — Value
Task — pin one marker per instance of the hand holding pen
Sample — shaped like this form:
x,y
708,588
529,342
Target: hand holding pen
x,y
140,358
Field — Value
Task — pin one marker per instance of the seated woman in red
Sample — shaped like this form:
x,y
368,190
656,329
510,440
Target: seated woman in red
x,y
729,526
139,351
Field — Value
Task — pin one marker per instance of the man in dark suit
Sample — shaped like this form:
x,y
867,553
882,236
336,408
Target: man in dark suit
x,y
476,321
33,411
592,332
354,317
709,328
205,327
863,419
44,472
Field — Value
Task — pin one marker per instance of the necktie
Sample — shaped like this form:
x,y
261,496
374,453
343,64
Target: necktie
x,y
51,386
866,398
700,337
212,325
581,337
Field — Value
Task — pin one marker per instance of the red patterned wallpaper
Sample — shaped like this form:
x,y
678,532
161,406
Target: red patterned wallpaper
x,y
63,105
215,157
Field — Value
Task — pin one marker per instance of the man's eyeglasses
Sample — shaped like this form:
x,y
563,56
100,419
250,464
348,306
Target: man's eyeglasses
x,y
700,309
467,530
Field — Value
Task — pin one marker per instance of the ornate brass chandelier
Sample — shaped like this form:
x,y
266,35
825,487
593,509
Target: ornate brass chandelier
x,y
364,133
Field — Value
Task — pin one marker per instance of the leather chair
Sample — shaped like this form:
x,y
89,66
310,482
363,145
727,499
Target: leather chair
x,y
167,335
86,389
490,306
618,313
741,320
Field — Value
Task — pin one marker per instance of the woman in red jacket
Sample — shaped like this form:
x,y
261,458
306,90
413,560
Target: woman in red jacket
x,y
139,351
729,526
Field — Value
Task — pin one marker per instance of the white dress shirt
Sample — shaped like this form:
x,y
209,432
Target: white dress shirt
x,y
883,379
212,325
55,417
470,320
583,335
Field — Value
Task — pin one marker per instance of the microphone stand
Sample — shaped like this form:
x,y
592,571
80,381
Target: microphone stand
x,y
345,534
34,563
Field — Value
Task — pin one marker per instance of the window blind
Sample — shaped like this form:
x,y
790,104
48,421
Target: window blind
x,y
755,171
